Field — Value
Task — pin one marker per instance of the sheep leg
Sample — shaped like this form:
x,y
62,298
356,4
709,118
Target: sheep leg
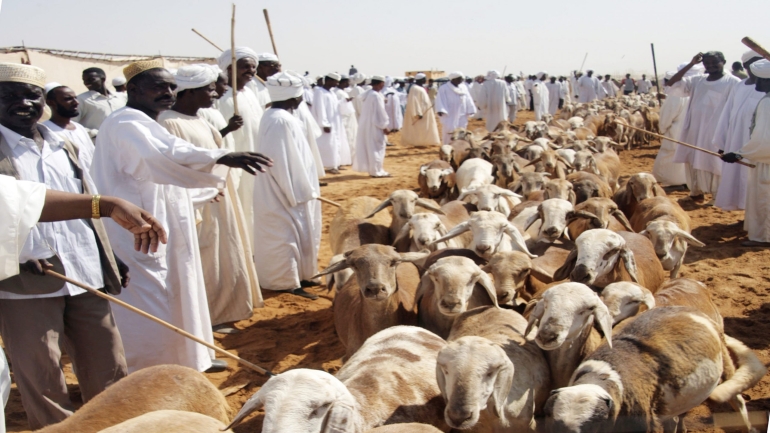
x,y
739,405
680,427
675,271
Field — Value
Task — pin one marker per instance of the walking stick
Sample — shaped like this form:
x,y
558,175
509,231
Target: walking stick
x,y
233,65
327,201
270,31
756,47
663,137
207,39
655,68
179,331
423,114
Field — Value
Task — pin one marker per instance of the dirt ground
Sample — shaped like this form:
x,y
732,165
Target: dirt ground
x,y
291,332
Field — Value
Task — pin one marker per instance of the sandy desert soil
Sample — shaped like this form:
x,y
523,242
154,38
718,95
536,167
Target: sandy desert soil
x,y
291,332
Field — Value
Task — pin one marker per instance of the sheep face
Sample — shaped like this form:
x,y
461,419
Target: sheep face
x,y
510,270
559,188
489,230
584,408
453,280
585,189
670,243
425,228
533,152
506,165
445,153
585,161
555,214
304,400
642,186
403,202
603,209
473,374
564,312
435,178
492,198
529,182
624,298
594,258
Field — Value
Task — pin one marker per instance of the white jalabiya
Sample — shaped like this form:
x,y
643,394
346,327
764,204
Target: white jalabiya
x,y
326,112
589,89
643,86
540,98
564,93
136,159
575,89
287,233
416,131
672,113
312,132
476,91
393,108
610,89
733,132
522,95
349,125
707,99
260,89
245,139
456,105
355,92
554,94
371,140
494,101
215,118
232,287
758,192
513,105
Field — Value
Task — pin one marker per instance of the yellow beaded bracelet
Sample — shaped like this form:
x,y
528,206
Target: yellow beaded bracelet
x,y
95,213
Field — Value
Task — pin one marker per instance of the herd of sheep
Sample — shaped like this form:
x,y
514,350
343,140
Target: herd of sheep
x,y
525,288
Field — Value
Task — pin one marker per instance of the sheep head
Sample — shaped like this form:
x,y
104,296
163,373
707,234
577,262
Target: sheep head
x,y
642,186
623,300
437,179
559,188
424,228
594,258
510,270
580,408
403,202
585,161
670,242
492,198
489,231
505,163
603,209
528,183
445,153
556,214
453,280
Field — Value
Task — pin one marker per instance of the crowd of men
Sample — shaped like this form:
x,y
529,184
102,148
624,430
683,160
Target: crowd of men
x,y
233,170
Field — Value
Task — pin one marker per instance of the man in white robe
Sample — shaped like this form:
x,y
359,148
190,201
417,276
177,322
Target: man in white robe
x,y
355,91
392,106
522,105
589,88
267,65
373,124
540,96
554,95
420,127
610,88
644,85
98,102
574,87
708,94
348,119
733,132
564,92
494,100
453,105
528,83
757,150
232,287
513,96
326,111
138,160
475,89
288,236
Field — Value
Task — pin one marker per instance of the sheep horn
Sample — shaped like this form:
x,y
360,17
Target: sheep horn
x,y
425,204
387,202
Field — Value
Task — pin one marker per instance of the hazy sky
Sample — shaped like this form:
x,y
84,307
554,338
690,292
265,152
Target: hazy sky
x,y
394,36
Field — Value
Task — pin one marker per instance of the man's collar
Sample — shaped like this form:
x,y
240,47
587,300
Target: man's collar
x,y
13,138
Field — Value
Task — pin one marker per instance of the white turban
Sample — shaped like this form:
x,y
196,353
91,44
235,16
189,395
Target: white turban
x,y
266,57
388,81
670,74
344,77
118,81
748,55
284,85
358,78
455,74
540,75
761,68
50,86
194,76
419,76
491,75
334,76
695,70
226,58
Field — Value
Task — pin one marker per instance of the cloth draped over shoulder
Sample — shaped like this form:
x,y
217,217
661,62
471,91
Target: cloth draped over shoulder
x,y
758,190
456,105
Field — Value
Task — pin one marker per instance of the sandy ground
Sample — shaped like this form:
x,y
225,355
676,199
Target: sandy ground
x,y
291,332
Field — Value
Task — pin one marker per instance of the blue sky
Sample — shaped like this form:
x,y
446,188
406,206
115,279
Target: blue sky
x,y
394,36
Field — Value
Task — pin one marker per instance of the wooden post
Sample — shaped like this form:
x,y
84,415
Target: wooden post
x,y
270,31
233,65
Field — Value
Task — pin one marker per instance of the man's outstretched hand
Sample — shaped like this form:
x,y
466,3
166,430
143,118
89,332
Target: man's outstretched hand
x,y
251,162
146,229
731,157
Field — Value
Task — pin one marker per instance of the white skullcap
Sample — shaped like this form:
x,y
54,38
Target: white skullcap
x,y
358,78
541,74
284,85
18,73
670,74
226,58
455,74
333,76
318,77
761,68
748,55
344,77
377,78
419,76
50,86
194,76
118,81
695,70
491,75
216,69
267,57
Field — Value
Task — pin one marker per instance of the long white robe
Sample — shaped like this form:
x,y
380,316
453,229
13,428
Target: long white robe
x,y
564,93
589,89
232,287
355,92
416,131
757,223
522,95
136,159
312,132
287,230
393,108
733,132
541,99
513,104
456,105
245,139
349,124
554,94
707,99
494,101
573,82
610,89
672,112
371,140
326,112
476,91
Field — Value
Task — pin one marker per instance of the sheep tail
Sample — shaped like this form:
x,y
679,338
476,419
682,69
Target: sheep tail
x,y
750,371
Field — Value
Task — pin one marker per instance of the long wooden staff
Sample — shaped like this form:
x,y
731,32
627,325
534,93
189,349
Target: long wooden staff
x,y
662,137
756,47
233,65
179,331
423,114
270,30
655,68
207,39
327,201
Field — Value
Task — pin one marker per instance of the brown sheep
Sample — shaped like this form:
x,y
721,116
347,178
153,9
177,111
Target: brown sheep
x,y
166,421
349,229
606,216
587,185
638,187
437,181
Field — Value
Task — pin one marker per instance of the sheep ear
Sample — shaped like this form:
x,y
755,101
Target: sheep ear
x,y
533,162
340,418
627,256
658,191
441,381
402,234
425,204
503,384
532,219
594,168
690,239
534,316
426,286
629,192
342,264
584,214
514,186
456,231
648,300
387,202
413,257
253,404
572,197
518,240
449,177
489,286
623,220
566,269
424,170
603,319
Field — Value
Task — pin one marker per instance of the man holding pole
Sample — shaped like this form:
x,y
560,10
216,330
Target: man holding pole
x,y
267,65
708,94
420,127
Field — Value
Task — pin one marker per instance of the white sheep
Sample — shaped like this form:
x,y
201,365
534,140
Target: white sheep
x,y
555,215
492,232
473,173
422,230
403,202
391,379
492,198
166,421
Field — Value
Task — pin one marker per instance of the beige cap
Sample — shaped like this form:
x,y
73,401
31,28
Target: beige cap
x,y
18,73
137,68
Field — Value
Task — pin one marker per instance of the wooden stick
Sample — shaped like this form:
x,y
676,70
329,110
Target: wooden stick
x,y
756,47
655,68
207,39
270,30
179,331
327,201
423,114
233,65
663,137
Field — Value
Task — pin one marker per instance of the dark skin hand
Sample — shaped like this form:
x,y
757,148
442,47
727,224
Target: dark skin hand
x,y
235,123
250,162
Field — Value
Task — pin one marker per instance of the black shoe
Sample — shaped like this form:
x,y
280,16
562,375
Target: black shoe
x,y
217,366
225,329
301,292
307,283
323,183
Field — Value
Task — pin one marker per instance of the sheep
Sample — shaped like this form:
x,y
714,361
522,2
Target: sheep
x,y
662,364
422,229
636,137
667,225
490,375
584,134
460,150
349,228
507,167
564,316
381,295
651,119
553,163
561,123
390,380
625,299
528,183
162,387
640,186
555,214
492,198
513,272
597,256
445,153
491,231
337,279
451,286
437,181
567,154
403,202
411,427
603,144
587,185
474,173
575,122
604,214
164,421
559,188
605,165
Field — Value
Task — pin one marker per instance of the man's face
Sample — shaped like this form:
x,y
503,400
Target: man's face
x,y
377,87
330,82
644,77
155,92
205,96
221,85
763,85
344,84
713,65
267,69
747,65
246,69
420,82
456,81
21,105
64,102
93,81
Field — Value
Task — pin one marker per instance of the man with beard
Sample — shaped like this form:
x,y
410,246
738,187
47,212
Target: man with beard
x,y
138,160
64,107
267,65
98,102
